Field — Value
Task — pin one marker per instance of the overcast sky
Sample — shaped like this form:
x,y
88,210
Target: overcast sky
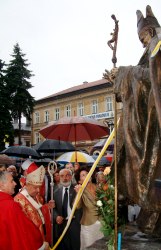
x,y
65,41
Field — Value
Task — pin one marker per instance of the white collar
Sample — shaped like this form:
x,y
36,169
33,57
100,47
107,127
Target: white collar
x,y
35,204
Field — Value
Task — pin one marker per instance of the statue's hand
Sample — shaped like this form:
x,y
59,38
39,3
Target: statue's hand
x,y
106,74
113,73
110,75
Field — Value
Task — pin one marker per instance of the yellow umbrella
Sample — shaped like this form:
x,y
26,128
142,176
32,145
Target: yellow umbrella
x,y
75,156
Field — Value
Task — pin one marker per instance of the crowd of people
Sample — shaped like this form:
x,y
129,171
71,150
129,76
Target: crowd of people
x,y
31,200
25,204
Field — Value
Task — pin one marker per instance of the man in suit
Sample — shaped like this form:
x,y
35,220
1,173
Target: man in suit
x,y
71,240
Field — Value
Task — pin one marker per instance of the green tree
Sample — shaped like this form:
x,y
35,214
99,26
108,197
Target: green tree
x,y
17,78
6,128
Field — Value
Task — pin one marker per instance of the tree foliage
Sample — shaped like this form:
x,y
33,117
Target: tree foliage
x,y
6,128
17,79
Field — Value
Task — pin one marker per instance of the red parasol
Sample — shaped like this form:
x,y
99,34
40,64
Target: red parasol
x,y
75,129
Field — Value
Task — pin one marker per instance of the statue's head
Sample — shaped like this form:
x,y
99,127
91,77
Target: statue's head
x,y
146,25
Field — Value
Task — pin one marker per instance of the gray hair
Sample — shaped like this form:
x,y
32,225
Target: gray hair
x,y
3,175
66,169
11,167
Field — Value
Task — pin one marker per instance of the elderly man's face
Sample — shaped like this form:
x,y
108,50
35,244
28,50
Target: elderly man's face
x,y
8,186
65,177
33,190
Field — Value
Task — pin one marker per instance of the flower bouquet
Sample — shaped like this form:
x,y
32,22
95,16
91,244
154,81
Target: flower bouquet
x,y
105,194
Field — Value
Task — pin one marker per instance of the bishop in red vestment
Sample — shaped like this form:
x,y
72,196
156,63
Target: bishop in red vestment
x,y
28,198
17,232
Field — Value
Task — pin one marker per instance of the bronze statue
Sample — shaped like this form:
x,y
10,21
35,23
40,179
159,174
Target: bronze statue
x,y
139,156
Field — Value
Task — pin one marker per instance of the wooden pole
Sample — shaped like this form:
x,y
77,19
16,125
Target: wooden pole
x,y
115,169
114,40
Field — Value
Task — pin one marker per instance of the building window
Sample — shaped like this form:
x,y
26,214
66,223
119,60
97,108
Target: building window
x,y
80,109
68,111
37,137
109,104
46,116
56,114
94,107
37,117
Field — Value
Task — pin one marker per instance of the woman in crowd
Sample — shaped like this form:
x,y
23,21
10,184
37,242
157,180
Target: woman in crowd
x,y
90,224
56,179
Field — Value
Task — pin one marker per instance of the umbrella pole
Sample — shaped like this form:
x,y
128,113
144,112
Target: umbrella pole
x,y
52,167
75,155
75,136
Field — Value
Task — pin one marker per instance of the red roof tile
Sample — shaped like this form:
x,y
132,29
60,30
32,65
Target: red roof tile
x,y
78,87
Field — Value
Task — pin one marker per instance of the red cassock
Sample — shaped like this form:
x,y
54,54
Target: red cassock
x,y
17,232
